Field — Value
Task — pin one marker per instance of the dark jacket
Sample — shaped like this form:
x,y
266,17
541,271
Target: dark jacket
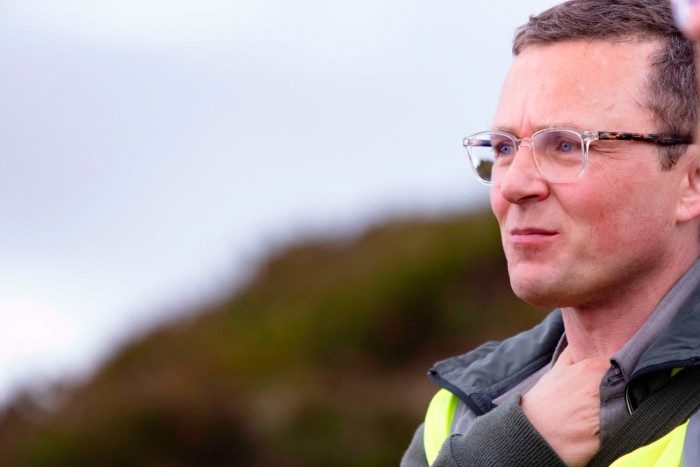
x,y
504,433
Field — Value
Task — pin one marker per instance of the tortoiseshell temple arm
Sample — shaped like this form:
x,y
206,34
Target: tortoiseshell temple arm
x,y
665,140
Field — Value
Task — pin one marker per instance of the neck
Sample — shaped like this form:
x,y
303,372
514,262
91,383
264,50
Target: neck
x,y
600,332
602,329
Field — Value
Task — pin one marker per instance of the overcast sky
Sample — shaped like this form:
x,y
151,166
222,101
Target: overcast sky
x,y
152,148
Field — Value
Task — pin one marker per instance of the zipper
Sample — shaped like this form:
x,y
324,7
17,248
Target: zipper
x,y
650,369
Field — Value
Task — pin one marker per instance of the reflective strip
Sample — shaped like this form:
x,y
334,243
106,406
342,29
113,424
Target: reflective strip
x,y
681,444
691,446
438,422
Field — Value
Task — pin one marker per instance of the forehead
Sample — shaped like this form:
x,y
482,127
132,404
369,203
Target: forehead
x,y
591,85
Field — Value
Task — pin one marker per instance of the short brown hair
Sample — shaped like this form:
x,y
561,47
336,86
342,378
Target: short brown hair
x,y
672,95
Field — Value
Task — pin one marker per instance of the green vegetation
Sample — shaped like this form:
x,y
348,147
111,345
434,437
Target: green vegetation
x,y
319,361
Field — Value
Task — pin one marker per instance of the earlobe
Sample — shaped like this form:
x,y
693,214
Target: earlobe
x,y
689,202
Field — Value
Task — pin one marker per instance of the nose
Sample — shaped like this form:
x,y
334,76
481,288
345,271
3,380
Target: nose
x,y
523,182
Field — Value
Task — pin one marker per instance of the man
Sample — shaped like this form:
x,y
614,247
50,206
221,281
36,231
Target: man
x,y
595,184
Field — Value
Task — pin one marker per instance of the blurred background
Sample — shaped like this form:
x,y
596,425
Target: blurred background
x,y
232,226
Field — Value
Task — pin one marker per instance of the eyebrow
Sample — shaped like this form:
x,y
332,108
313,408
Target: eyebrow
x,y
536,128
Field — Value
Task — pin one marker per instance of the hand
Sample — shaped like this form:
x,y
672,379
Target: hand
x,y
564,406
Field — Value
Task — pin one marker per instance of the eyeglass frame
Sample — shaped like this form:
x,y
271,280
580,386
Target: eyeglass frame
x,y
587,137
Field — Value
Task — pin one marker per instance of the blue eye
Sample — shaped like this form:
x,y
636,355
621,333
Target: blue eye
x,y
560,144
504,149
566,147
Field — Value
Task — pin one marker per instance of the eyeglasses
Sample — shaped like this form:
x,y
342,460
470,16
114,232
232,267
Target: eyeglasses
x,y
560,154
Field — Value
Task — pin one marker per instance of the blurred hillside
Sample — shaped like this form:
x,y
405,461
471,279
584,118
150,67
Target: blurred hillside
x,y
319,361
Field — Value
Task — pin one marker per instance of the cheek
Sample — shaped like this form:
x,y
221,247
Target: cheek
x,y
622,218
499,205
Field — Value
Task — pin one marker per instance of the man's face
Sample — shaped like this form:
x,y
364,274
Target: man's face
x,y
582,243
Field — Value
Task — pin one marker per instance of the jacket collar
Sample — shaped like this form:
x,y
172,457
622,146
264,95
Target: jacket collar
x,y
487,372
483,374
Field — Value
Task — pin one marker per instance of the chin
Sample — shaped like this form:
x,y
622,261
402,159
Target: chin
x,y
540,294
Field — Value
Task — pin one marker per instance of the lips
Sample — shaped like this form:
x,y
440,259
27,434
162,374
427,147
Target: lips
x,y
531,236
531,231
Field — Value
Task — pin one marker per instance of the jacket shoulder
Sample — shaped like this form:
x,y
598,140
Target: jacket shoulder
x,y
491,369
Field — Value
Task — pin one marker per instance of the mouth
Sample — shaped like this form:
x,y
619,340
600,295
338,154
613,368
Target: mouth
x,y
531,235
531,231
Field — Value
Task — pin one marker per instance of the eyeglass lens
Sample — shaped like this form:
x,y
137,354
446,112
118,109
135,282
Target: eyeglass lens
x,y
558,154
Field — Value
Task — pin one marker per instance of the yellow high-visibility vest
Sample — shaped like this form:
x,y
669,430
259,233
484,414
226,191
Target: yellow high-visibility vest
x,y
680,447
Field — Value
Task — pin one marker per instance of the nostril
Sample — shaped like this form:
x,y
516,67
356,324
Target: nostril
x,y
523,182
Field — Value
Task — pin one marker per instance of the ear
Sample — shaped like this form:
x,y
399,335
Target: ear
x,y
688,207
